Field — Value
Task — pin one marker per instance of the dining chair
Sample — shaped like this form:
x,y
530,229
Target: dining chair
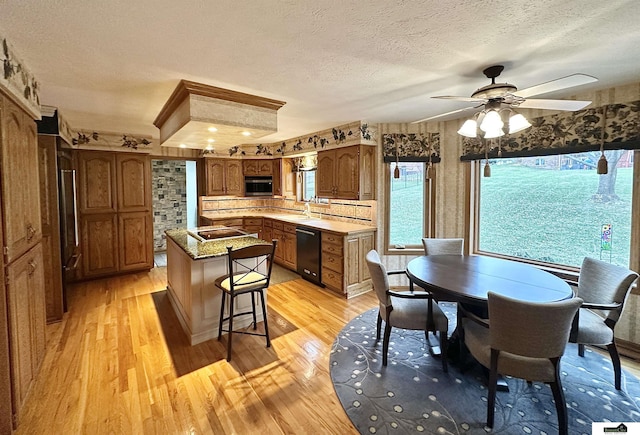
x,y
415,310
524,340
603,287
246,276
434,246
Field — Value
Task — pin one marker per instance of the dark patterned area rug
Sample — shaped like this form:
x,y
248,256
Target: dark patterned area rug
x,y
413,395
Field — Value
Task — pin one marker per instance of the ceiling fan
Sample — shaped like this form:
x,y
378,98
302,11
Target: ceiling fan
x,y
501,98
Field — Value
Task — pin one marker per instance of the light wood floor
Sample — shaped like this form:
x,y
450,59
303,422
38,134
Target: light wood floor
x,y
119,363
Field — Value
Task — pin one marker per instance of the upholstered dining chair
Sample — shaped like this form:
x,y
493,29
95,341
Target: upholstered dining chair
x,y
415,310
434,246
604,288
245,276
524,340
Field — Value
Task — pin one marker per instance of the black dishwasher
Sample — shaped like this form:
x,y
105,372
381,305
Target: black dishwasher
x,y
308,249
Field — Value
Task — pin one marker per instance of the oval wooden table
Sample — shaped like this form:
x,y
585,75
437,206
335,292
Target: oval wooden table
x,y
468,278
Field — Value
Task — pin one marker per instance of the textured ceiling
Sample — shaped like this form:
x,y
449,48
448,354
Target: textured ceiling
x,y
111,65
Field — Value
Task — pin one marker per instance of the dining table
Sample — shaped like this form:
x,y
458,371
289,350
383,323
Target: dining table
x,y
467,280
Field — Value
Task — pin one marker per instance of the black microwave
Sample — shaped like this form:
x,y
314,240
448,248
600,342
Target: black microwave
x,y
258,186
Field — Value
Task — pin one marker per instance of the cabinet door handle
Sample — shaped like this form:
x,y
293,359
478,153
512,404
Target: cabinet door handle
x,y
32,267
30,232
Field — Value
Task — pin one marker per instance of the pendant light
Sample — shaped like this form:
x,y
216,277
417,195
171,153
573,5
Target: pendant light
x,y
396,171
603,165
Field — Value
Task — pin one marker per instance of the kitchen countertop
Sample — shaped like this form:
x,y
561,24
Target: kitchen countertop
x,y
299,219
212,248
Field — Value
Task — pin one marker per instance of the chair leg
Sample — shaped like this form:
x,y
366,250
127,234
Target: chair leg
x,y
253,309
385,343
224,294
581,349
378,326
231,301
615,360
493,385
558,397
264,315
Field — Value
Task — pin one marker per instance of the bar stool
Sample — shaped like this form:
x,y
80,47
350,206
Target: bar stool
x,y
244,277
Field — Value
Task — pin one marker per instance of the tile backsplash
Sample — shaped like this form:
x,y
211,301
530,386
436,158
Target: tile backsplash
x,y
363,212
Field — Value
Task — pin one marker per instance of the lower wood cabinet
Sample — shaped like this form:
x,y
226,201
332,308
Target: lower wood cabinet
x,y
344,269
99,244
135,240
27,318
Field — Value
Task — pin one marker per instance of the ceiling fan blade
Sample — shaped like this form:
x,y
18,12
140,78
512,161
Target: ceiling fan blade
x,y
556,85
468,99
444,115
570,105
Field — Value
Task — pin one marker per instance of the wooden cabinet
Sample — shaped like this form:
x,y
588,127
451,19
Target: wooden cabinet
x,y
253,226
267,229
284,179
99,241
96,182
257,167
344,269
22,308
346,173
224,177
25,299
115,212
20,180
290,251
134,231
278,235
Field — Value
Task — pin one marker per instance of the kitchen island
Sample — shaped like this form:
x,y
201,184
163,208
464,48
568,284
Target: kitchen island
x,y
195,258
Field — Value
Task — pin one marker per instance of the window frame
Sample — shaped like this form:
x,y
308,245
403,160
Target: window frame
x,y
429,199
569,273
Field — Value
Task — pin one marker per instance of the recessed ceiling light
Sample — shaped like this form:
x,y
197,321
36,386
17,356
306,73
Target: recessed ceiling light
x,y
209,147
212,129
211,140
182,145
246,133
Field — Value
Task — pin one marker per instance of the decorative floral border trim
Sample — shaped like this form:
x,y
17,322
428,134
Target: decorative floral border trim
x,y
613,126
411,147
354,133
111,140
18,81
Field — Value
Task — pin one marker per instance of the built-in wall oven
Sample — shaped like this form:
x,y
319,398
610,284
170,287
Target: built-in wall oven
x,y
258,186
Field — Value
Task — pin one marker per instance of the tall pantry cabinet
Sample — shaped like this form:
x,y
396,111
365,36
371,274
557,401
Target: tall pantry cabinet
x,y
114,190
22,305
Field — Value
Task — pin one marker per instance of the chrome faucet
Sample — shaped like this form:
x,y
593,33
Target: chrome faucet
x,y
307,210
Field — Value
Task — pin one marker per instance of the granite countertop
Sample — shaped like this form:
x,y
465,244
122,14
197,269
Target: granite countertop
x,y
299,219
212,248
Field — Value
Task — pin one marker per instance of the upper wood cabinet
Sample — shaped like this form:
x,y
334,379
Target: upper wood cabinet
x,y
346,173
135,193
224,177
257,167
20,180
97,182
284,179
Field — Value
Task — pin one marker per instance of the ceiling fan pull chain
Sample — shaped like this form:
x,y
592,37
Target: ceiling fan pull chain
x,y
603,165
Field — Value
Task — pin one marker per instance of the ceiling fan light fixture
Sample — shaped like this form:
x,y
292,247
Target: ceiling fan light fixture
x,y
518,123
491,122
492,134
469,128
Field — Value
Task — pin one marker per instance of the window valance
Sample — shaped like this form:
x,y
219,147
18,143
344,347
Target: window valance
x,y
614,126
411,147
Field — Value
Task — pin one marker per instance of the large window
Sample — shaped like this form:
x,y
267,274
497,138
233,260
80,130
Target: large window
x,y
406,210
557,209
308,185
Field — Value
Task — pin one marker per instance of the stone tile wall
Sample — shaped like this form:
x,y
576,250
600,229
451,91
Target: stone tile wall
x,y
169,178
